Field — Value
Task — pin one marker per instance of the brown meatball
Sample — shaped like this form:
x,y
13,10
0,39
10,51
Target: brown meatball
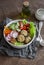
x,y
21,38
27,39
24,32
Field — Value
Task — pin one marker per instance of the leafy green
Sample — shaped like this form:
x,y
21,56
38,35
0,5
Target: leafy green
x,y
18,43
12,26
32,29
24,21
17,23
31,24
18,29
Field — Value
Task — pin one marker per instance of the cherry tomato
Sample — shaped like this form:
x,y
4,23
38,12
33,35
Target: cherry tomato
x,y
27,28
27,25
21,24
23,28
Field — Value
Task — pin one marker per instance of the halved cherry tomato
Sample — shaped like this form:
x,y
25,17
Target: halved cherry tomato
x,y
27,28
27,25
21,24
23,28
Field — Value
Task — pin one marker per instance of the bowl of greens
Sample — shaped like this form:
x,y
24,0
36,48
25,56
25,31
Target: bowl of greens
x,y
19,33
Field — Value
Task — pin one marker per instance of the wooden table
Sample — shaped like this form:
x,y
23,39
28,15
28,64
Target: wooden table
x,y
39,59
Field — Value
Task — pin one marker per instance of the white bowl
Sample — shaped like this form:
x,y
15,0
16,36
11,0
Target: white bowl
x,y
22,46
39,14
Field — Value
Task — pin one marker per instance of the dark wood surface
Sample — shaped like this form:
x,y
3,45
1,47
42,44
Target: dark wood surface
x,y
11,8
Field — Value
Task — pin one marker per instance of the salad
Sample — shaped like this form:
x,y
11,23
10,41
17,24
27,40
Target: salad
x,y
20,33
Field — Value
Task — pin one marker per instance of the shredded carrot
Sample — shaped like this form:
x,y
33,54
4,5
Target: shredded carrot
x,y
7,31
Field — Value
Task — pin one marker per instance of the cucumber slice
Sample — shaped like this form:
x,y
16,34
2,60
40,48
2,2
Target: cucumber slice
x,y
18,30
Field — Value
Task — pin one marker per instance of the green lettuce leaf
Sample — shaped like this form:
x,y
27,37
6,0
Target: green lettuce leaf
x,y
18,43
31,24
32,31
24,21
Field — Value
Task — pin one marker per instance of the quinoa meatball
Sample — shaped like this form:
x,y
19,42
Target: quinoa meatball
x,y
24,32
21,38
27,39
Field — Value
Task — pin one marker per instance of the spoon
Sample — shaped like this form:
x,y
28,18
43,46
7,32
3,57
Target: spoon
x,y
39,38
40,16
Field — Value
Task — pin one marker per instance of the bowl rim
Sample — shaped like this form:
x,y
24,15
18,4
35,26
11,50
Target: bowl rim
x,y
22,46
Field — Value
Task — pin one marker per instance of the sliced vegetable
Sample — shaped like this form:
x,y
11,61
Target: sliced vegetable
x,y
24,27
12,26
8,37
14,34
21,24
18,30
16,27
27,25
24,21
32,31
7,31
18,43
18,24
31,24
